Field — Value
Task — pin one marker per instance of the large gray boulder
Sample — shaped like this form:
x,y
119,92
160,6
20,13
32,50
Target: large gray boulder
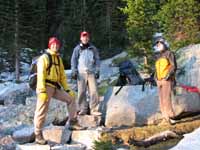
x,y
57,134
25,135
188,60
86,137
12,116
107,70
132,106
14,93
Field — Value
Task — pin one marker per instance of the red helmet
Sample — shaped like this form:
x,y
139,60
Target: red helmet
x,y
84,33
53,40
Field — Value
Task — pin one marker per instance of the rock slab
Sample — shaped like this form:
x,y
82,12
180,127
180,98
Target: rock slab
x,y
89,121
24,135
56,134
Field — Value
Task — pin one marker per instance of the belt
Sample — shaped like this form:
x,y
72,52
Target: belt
x,y
54,83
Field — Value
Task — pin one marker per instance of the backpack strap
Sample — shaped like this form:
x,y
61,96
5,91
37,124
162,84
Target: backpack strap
x,y
50,62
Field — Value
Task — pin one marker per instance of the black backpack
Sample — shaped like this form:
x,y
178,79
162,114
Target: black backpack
x,y
128,74
33,70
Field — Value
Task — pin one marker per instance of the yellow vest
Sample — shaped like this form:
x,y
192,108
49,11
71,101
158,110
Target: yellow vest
x,y
162,68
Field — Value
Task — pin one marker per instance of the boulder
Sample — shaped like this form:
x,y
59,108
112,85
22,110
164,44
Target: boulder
x,y
185,102
188,60
56,134
89,121
25,135
86,137
32,146
24,114
7,143
133,107
108,71
15,93
69,147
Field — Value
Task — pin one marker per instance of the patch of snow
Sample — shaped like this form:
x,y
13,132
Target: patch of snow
x,y
189,142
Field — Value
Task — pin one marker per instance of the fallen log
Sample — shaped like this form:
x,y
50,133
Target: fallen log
x,y
163,136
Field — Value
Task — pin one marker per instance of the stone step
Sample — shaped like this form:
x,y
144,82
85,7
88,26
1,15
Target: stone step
x,y
32,146
69,147
57,134
86,137
89,121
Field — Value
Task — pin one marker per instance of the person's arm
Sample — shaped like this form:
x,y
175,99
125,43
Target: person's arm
x,y
74,59
41,74
173,64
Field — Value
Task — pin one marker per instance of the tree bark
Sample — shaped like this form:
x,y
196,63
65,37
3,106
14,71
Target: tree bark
x,y
155,139
16,40
108,22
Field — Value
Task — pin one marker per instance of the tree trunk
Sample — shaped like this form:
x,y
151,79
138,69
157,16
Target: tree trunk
x,y
108,22
16,39
84,15
163,136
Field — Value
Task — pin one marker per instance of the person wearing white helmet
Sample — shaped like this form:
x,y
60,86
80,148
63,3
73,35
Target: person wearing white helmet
x,y
165,66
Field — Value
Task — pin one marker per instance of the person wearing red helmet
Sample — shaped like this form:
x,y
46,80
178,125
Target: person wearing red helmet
x,y
52,83
85,65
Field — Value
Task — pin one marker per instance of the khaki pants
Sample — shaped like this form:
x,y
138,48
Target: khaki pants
x,y
42,106
165,91
87,80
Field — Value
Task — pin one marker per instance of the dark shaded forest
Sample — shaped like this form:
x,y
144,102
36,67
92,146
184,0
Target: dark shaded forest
x,y
114,25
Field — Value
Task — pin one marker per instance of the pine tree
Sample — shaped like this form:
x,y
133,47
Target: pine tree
x,y
140,26
179,21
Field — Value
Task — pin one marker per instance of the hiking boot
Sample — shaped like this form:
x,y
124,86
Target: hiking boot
x,y
73,125
82,112
96,113
172,121
40,140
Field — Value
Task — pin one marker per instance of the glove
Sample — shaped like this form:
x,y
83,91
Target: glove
x,y
97,75
74,75
43,97
71,93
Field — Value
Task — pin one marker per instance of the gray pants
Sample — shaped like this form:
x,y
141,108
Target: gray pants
x,y
87,81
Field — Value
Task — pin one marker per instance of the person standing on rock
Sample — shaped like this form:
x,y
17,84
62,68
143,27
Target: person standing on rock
x,y
52,83
85,64
165,66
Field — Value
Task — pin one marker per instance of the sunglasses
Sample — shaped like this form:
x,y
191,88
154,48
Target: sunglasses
x,y
159,42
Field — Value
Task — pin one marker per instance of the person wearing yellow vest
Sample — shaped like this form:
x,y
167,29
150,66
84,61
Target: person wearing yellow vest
x,y
165,67
52,83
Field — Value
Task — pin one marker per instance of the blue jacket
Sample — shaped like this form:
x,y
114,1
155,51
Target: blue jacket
x,y
85,59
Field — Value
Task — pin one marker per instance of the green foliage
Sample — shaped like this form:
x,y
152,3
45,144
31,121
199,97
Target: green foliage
x,y
38,20
179,21
103,145
140,25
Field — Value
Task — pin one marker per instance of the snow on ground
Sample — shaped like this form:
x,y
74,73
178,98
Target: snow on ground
x,y
190,141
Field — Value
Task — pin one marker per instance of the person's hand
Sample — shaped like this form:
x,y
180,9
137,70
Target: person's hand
x,y
74,75
43,96
97,75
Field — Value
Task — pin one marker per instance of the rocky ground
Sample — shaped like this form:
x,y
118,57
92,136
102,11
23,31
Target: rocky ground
x,y
129,118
